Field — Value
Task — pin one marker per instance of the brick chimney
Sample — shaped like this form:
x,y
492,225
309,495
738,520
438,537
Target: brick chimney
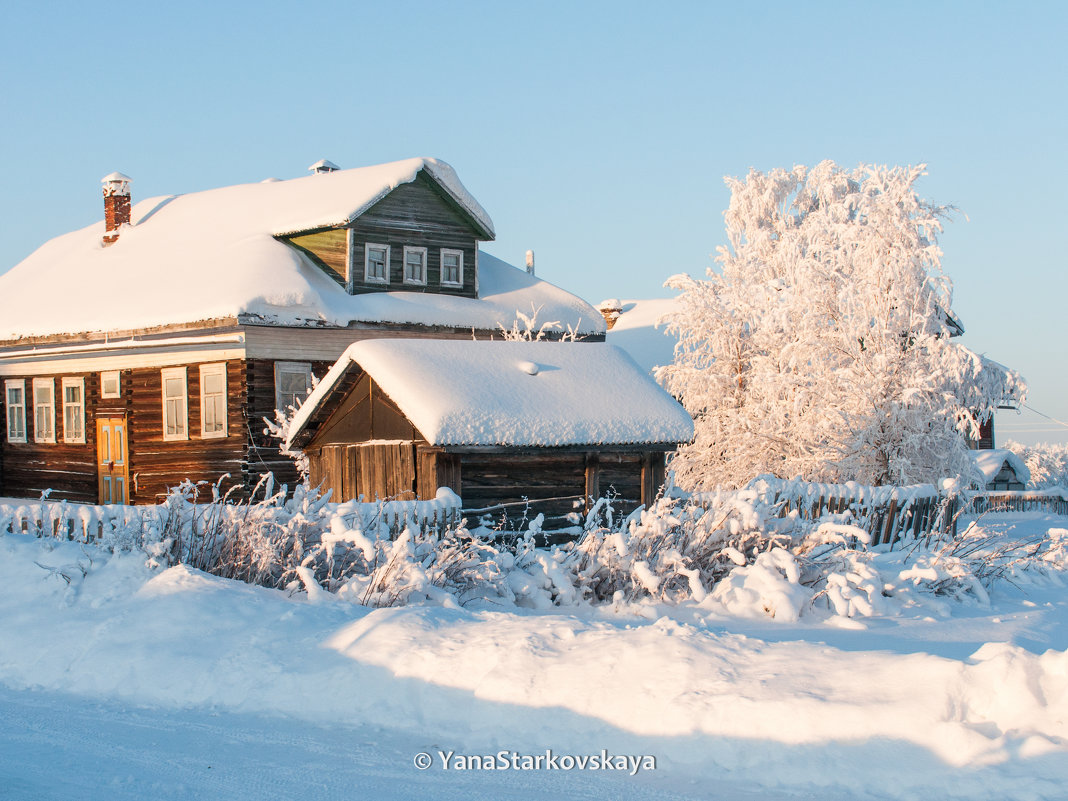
x,y
610,309
116,205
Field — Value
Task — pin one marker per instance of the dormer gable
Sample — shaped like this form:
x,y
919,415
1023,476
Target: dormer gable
x,y
420,236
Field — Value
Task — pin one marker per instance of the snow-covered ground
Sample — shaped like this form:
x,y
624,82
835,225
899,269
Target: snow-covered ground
x,y
130,682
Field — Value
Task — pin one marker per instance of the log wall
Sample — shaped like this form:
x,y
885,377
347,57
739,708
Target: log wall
x,y
416,215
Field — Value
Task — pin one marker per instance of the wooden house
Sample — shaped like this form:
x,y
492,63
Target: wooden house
x,y
146,349
553,424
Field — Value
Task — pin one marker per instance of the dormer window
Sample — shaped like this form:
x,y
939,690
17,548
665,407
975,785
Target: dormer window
x,y
415,265
376,264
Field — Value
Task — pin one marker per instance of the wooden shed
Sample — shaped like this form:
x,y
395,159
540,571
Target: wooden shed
x,y
555,425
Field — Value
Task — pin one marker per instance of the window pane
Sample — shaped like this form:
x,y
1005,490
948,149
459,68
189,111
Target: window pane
x,y
173,387
213,383
293,383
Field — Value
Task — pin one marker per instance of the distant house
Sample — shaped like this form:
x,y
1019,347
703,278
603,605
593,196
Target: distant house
x,y
552,424
1002,470
634,326
145,349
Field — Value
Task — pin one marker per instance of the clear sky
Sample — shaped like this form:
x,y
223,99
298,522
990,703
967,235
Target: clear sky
x,y
597,134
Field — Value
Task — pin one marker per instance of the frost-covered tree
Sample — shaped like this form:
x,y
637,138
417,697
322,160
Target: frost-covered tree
x,y
820,346
1047,462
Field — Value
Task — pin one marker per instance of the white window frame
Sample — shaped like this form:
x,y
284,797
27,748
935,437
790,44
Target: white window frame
x,y
419,280
290,367
460,257
367,277
182,416
79,410
206,370
51,406
20,385
111,375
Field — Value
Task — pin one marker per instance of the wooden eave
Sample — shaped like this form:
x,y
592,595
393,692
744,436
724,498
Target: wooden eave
x,y
528,450
325,409
216,325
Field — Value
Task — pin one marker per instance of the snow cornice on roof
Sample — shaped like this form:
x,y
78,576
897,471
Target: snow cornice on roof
x,y
215,255
463,394
371,184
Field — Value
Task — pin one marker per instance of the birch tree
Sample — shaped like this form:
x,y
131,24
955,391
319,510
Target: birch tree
x,y
821,345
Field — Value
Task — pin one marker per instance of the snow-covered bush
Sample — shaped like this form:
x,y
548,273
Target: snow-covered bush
x,y
778,549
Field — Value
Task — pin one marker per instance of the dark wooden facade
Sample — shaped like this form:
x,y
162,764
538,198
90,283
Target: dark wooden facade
x,y
418,214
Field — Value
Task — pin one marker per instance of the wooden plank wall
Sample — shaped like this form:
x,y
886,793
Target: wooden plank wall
x,y
416,215
262,452
157,464
378,471
553,479
67,469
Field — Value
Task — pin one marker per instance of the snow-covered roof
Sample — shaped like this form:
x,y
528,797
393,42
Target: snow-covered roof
x,y
214,254
520,394
637,332
991,461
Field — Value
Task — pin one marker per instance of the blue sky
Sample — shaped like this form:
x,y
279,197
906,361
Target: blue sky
x,y
597,134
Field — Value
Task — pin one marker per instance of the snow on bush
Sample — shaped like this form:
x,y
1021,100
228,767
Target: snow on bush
x,y
769,550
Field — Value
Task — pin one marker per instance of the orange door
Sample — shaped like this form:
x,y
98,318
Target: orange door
x,y
113,467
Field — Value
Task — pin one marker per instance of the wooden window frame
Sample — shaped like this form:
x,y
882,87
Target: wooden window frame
x,y
117,376
77,437
460,256
19,384
416,281
217,368
51,406
367,277
183,417
289,367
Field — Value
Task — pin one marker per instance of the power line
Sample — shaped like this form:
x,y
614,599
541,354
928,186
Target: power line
x,y
1040,414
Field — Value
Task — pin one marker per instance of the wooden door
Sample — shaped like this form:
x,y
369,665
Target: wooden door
x,y
113,464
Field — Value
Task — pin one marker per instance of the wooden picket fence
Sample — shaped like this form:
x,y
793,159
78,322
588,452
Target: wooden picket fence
x,y
1053,501
891,514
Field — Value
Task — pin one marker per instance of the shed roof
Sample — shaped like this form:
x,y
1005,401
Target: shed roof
x,y
213,254
516,394
992,460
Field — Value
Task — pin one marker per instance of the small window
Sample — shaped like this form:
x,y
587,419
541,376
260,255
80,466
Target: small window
x,y
292,382
74,410
415,266
175,416
212,400
15,400
44,410
109,385
452,267
376,264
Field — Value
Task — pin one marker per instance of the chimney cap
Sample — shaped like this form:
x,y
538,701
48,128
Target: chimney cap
x,y
116,184
322,165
